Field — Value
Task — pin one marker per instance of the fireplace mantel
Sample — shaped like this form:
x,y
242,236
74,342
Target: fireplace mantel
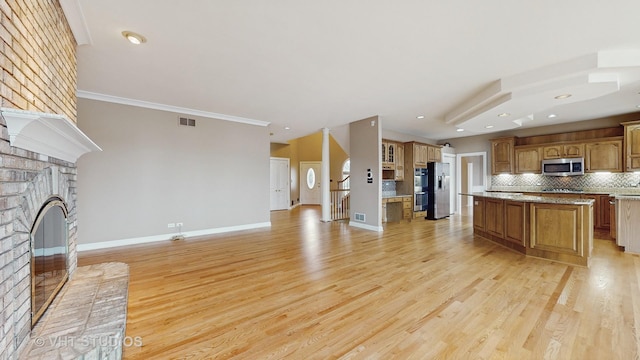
x,y
49,134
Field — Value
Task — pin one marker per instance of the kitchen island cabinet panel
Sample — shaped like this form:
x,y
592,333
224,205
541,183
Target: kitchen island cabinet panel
x,y
478,214
494,217
516,220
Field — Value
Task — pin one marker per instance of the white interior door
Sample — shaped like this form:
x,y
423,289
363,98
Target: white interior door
x,y
279,184
310,183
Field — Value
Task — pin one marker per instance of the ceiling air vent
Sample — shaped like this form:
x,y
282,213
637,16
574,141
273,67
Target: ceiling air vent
x,y
183,121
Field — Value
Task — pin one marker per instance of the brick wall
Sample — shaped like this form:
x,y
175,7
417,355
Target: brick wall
x,y
38,61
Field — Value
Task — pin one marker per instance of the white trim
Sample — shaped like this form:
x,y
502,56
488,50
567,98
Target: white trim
x,y
166,237
169,108
49,134
366,227
459,170
78,24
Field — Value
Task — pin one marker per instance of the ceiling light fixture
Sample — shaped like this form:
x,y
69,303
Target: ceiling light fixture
x,y
134,38
563,96
287,128
460,130
551,116
420,117
503,115
488,127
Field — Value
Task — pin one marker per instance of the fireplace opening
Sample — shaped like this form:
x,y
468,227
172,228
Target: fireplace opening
x,y
49,249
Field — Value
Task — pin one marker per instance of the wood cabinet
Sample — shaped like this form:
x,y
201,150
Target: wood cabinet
x,y
434,153
399,166
632,145
559,151
516,220
561,232
494,216
423,154
420,155
603,156
478,213
502,155
388,155
528,160
397,208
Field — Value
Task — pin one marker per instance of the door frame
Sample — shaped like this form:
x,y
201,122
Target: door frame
x,y
459,157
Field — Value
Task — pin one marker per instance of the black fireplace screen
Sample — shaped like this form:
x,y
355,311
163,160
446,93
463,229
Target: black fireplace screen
x,y
49,247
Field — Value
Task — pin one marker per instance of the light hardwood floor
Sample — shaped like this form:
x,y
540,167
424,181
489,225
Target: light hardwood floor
x,y
304,289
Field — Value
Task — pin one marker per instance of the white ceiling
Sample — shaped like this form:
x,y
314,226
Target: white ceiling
x,y
313,64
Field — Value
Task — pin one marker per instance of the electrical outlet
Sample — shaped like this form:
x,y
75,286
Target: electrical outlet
x,y
171,225
179,224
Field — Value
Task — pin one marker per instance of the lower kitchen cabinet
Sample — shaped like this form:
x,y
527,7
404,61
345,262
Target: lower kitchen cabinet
x,y
478,213
516,220
494,216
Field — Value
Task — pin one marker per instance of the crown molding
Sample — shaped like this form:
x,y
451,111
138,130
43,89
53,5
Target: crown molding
x,y
169,108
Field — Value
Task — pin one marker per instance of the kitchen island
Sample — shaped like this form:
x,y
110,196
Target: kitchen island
x,y
554,228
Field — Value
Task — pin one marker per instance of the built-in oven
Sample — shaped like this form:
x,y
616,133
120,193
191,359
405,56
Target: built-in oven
x,y
420,183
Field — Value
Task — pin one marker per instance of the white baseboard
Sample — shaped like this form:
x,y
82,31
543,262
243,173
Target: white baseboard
x,y
166,237
366,227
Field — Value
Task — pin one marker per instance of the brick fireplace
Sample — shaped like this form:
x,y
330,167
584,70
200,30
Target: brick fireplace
x,y
39,74
29,180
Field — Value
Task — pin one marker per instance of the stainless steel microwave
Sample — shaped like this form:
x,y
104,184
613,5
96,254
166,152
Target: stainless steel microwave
x,y
563,167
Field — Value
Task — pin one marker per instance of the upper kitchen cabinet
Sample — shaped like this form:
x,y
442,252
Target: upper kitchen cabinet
x,y
528,160
502,155
399,162
388,155
420,155
603,155
632,145
435,154
560,151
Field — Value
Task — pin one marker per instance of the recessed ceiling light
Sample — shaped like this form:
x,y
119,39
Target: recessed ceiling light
x,y
551,116
420,117
287,128
134,38
504,115
488,127
563,96
460,130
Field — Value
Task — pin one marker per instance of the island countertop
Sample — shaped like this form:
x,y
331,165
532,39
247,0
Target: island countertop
x,y
530,198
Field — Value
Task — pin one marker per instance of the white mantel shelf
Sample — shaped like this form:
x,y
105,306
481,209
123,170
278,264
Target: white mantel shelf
x,y
49,134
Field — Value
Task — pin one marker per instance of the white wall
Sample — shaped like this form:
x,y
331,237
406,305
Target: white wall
x,y
152,172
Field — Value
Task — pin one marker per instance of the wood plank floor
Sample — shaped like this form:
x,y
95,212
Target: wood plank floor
x,y
304,289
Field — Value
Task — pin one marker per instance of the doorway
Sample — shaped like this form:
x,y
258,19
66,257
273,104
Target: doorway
x,y
310,172
472,176
451,160
279,190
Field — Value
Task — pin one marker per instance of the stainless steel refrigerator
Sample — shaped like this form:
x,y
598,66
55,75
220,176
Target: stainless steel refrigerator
x,y
438,189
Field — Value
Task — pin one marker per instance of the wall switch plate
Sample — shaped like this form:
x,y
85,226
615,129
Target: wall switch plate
x,y
171,225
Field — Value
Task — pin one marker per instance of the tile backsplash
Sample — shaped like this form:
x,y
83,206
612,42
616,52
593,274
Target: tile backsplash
x,y
581,182
388,188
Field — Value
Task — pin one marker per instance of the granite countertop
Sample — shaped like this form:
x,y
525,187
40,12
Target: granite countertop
x,y
628,197
530,198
